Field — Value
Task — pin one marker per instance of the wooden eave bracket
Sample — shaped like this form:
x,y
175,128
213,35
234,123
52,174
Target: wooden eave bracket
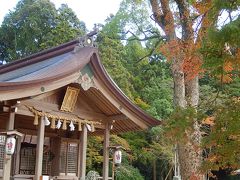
x,y
11,133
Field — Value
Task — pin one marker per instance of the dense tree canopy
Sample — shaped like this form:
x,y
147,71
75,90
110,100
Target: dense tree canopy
x,y
158,67
35,25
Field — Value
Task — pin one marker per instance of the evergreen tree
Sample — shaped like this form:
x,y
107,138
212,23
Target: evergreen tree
x,y
35,25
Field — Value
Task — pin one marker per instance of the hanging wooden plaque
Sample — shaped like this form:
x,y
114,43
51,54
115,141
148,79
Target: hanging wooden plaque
x,y
70,99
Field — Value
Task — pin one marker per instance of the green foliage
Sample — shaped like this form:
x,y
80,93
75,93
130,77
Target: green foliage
x,y
180,123
22,29
94,154
127,172
161,147
112,52
220,46
131,18
223,141
226,4
67,27
35,25
233,89
152,80
119,141
149,80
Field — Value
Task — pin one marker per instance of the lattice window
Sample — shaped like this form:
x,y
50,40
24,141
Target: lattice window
x,y
72,158
47,159
2,150
63,157
28,160
68,158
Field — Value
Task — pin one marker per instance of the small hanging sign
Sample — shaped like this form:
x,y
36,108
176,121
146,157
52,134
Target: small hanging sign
x,y
118,157
10,145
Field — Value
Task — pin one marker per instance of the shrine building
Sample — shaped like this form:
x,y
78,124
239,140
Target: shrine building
x,y
50,102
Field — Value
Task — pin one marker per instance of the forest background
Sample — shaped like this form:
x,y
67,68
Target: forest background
x,y
140,58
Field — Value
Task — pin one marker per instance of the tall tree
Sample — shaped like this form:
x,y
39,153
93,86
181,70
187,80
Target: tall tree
x,y
35,25
68,27
184,24
176,20
23,29
147,79
221,56
112,53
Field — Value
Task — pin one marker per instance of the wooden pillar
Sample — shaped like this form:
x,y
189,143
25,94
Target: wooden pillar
x,y
79,155
106,152
39,151
17,157
83,153
55,147
10,124
154,170
8,158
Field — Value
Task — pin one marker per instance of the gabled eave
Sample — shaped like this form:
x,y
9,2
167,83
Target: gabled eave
x,y
61,74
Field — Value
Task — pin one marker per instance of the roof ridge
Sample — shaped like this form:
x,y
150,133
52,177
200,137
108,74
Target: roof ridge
x,y
45,54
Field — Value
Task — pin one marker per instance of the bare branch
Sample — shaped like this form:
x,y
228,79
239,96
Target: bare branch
x,y
157,13
154,35
206,23
151,52
185,20
164,17
230,16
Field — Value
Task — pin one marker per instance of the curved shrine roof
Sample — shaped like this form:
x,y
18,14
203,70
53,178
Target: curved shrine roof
x,y
60,66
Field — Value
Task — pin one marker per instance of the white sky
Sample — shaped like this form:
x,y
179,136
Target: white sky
x,y
88,11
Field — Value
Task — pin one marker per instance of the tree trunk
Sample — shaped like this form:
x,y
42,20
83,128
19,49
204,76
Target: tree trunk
x,y
186,92
190,154
192,92
179,85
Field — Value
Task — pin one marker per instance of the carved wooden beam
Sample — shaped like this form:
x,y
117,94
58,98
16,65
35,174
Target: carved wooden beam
x,y
54,108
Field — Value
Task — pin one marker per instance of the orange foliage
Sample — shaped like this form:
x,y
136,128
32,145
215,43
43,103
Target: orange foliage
x,y
192,61
203,6
226,78
228,66
212,158
196,177
209,121
171,49
187,49
188,52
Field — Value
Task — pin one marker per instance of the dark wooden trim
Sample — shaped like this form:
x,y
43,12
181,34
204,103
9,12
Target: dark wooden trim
x,y
101,74
85,55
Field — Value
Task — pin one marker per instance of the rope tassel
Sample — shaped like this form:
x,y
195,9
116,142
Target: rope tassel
x,y
35,122
53,123
79,126
62,121
92,127
64,126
